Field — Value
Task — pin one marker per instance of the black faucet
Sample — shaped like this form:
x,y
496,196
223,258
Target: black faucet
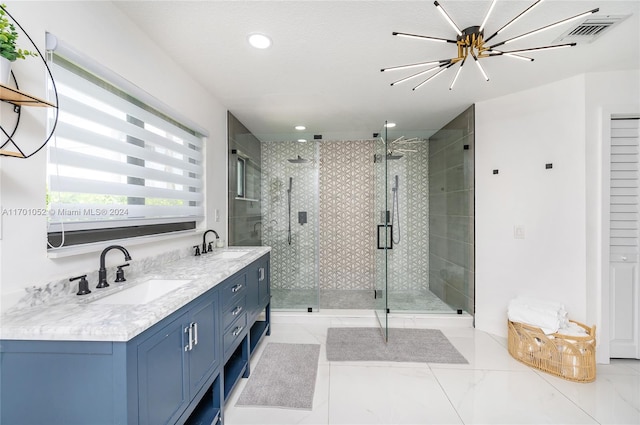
x,y
204,241
102,272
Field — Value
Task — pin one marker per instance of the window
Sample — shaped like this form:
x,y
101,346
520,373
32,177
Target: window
x,y
240,192
118,166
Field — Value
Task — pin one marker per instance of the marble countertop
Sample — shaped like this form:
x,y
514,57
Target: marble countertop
x,y
77,318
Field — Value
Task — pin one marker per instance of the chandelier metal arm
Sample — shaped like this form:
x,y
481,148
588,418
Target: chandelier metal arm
x,y
486,18
434,75
415,65
423,37
442,63
527,10
493,53
533,49
447,17
546,27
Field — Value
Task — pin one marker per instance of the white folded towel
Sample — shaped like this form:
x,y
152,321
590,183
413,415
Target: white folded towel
x,y
546,315
572,330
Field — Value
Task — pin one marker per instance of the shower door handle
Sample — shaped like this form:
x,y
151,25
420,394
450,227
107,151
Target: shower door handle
x,y
384,233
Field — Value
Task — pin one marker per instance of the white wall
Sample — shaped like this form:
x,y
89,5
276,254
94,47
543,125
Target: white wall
x,y
561,256
518,134
101,31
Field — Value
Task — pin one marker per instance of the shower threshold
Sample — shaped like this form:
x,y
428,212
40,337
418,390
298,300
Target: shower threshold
x,y
368,318
406,301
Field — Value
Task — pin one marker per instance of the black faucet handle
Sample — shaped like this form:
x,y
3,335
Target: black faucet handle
x,y
197,247
120,273
210,247
83,285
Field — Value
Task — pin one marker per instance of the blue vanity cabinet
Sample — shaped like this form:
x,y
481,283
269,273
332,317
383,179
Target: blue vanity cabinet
x,y
168,374
176,363
178,371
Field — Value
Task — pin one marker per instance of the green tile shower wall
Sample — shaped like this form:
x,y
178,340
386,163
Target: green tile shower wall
x,y
451,206
245,217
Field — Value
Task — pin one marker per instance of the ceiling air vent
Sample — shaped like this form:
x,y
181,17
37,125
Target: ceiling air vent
x,y
590,29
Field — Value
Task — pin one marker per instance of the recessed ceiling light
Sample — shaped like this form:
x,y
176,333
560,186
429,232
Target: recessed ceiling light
x,y
300,127
302,140
259,41
390,125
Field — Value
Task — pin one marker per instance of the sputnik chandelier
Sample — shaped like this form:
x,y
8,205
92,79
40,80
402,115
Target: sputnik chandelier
x,y
471,42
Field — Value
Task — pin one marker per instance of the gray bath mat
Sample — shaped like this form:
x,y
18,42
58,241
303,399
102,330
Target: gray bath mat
x,y
285,376
404,345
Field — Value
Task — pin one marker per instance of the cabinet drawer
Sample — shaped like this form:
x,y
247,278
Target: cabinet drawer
x,y
235,333
233,290
233,311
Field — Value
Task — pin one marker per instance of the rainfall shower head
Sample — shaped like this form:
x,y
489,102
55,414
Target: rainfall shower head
x,y
298,160
377,158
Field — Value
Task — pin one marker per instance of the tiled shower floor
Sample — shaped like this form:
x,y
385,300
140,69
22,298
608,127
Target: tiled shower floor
x,y
405,301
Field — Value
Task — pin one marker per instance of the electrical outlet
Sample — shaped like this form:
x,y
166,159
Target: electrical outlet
x,y
518,231
217,215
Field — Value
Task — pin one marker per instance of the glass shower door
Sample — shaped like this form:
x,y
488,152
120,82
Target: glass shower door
x,y
383,229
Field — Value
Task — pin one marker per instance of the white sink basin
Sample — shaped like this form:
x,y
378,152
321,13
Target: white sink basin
x,y
231,254
143,293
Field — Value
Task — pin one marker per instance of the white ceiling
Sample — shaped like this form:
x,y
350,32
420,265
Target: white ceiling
x,y
323,69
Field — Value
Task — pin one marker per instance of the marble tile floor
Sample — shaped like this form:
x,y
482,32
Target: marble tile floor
x,y
492,389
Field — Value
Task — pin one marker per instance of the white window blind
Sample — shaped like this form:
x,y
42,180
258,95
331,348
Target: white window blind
x,y
117,162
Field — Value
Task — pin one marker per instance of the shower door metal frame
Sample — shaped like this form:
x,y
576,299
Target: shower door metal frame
x,y
381,261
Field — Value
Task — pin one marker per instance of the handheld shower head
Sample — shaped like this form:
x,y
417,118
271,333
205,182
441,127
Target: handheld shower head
x,y
396,184
290,184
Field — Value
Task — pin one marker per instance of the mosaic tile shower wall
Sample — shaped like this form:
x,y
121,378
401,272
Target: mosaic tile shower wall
x,y
336,189
408,265
294,254
347,231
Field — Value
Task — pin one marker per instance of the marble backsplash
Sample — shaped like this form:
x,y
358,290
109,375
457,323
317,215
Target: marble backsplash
x,y
58,290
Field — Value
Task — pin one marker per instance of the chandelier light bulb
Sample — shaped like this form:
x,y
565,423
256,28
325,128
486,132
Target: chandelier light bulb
x,y
446,16
486,18
456,77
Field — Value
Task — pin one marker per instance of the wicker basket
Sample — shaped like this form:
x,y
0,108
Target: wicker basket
x,y
569,357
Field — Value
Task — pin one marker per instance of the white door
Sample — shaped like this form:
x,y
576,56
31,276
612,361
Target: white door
x,y
624,239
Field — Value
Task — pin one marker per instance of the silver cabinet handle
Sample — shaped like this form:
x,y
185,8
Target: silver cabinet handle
x,y
236,287
237,330
189,331
236,310
194,325
260,274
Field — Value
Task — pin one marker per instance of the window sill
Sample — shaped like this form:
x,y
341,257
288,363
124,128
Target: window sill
x,y
99,246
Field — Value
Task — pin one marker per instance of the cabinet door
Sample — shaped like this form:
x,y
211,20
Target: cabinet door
x,y
252,291
263,283
205,355
162,381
